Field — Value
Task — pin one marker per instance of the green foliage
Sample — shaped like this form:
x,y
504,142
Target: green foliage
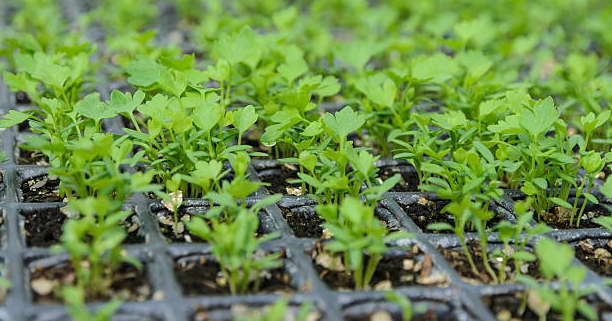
x,y
93,243
555,261
359,236
234,246
279,311
75,300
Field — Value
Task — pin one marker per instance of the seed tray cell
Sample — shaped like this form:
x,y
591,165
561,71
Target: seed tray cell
x,y
455,300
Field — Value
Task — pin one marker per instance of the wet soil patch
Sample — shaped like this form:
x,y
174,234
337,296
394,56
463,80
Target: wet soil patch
x,y
409,268
460,263
203,276
559,218
43,227
304,221
596,254
30,157
41,189
126,283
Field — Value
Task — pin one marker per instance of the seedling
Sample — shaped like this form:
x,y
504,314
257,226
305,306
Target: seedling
x,y
359,236
75,301
93,242
568,296
234,246
277,312
518,234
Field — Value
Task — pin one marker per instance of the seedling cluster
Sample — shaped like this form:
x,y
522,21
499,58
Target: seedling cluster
x,y
335,155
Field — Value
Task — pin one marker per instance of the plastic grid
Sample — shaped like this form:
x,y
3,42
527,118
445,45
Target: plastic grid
x,y
462,299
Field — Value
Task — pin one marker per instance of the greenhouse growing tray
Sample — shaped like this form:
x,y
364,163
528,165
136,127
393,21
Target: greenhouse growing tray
x,y
447,294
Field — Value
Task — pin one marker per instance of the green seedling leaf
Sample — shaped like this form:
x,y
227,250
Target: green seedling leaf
x,y
93,108
143,72
13,118
437,68
541,119
244,118
343,122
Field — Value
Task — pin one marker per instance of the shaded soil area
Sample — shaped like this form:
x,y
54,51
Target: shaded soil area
x,y
596,254
43,227
125,283
559,218
40,190
408,183
425,212
304,221
411,268
29,157
460,263
203,276
277,180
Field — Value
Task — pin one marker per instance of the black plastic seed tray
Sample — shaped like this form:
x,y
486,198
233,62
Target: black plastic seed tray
x,y
444,293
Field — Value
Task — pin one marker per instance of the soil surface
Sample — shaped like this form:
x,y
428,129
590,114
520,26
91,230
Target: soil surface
x,y
22,98
413,268
384,315
596,254
425,212
127,283
408,183
304,221
28,157
43,227
41,190
204,277
461,264
559,218
278,181
509,307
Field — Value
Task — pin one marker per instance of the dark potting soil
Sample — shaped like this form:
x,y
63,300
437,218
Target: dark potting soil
x,y
596,254
22,98
425,212
127,283
413,268
409,181
560,217
304,221
175,233
460,263
204,277
510,307
40,189
29,157
384,314
43,227
278,182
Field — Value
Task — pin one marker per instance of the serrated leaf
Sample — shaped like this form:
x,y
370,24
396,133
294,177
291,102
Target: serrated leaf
x,y
343,122
437,68
244,118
